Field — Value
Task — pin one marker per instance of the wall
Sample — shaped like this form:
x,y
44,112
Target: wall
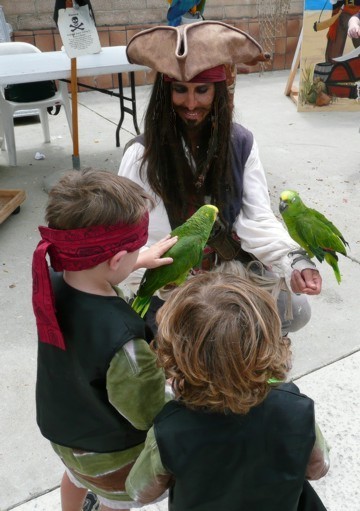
x,y
118,20
37,14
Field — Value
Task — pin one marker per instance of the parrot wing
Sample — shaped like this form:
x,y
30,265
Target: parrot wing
x,y
317,235
186,254
331,226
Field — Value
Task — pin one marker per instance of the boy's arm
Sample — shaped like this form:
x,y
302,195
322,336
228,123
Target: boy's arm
x,y
319,462
148,479
135,385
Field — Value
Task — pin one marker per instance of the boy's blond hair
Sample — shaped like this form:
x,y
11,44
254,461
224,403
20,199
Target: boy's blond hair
x,y
219,340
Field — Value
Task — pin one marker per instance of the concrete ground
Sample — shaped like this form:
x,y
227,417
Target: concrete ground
x,y
316,153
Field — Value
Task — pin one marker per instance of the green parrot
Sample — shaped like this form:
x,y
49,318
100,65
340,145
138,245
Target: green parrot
x,y
312,230
187,253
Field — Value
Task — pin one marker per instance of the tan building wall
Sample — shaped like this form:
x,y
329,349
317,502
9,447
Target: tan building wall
x,y
37,14
118,20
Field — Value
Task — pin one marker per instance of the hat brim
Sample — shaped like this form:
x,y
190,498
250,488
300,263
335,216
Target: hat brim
x,y
185,51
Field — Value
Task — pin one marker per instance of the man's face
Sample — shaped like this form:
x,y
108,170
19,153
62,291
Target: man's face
x,y
192,101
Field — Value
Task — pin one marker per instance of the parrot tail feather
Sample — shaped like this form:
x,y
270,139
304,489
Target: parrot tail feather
x,y
332,259
141,305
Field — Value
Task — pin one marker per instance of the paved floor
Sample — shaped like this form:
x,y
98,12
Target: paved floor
x,y
315,153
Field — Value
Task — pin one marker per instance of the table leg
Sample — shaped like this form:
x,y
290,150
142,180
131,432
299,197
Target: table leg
x,y
124,108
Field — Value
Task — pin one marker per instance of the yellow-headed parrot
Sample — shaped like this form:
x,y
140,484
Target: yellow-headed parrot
x,y
312,230
186,253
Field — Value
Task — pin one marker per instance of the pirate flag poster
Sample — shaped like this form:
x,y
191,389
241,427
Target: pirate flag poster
x,y
330,59
76,24
78,31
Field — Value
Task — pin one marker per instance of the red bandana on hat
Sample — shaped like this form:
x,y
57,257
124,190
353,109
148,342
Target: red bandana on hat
x,y
212,75
75,250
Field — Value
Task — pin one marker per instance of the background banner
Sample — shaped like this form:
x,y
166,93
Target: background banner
x,y
325,82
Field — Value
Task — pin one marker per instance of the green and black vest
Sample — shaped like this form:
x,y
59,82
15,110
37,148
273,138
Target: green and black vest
x,y
253,462
72,406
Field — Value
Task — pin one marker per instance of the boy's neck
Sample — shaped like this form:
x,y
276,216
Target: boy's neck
x,y
89,281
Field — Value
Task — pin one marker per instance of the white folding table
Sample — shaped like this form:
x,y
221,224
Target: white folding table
x,y
56,65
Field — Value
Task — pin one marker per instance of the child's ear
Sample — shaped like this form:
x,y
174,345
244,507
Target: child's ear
x,y
114,261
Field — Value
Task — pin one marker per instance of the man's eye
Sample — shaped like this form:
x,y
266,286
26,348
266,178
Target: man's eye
x,y
202,90
179,90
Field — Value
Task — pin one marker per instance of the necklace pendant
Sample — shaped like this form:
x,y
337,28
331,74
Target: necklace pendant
x,y
199,182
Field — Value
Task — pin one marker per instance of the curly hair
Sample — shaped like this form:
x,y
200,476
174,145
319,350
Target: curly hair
x,y
219,341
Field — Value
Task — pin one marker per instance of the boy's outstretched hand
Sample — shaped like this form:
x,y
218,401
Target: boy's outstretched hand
x,y
151,257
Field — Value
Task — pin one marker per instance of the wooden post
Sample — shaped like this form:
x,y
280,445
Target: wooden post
x,y
74,110
74,107
290,90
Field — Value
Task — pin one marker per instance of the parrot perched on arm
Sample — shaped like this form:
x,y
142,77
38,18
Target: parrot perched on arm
x,y
312,230
179,7
186,253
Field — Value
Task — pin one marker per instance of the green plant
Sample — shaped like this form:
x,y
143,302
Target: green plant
x,y
310,87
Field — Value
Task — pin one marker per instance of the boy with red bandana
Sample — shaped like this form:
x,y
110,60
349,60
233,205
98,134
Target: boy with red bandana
x,y
98,385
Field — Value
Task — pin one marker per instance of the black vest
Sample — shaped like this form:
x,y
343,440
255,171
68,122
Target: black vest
x,y
71,399
253,462
241,143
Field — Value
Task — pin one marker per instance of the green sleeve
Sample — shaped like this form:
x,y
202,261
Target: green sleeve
x,y
135,385
148,479
319,462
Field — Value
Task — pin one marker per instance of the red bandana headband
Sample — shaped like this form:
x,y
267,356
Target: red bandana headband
x,y
215,74
75,250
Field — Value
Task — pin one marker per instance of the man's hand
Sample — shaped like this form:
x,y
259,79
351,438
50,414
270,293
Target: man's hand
x,y
308,282
354,27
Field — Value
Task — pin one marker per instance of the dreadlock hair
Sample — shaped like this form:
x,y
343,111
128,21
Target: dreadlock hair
x,y
169,172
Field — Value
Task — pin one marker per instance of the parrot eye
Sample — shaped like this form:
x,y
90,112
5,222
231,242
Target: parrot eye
x,y
293,199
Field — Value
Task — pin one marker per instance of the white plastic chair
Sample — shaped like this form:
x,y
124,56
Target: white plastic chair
x,y
8,108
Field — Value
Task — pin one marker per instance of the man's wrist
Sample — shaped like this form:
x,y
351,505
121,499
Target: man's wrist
x,y
300,260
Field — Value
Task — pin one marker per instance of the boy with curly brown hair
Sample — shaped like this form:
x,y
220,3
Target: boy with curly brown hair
x,y
237,437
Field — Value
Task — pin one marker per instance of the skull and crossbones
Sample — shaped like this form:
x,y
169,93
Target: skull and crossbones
x,y
76,25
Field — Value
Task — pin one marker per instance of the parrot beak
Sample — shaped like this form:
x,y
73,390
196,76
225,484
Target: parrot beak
x,y
282,206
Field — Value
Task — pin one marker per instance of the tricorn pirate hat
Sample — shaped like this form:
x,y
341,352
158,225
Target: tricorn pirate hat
x,y
184,51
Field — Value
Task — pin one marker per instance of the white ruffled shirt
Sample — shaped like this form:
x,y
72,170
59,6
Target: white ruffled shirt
x,y
260,232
